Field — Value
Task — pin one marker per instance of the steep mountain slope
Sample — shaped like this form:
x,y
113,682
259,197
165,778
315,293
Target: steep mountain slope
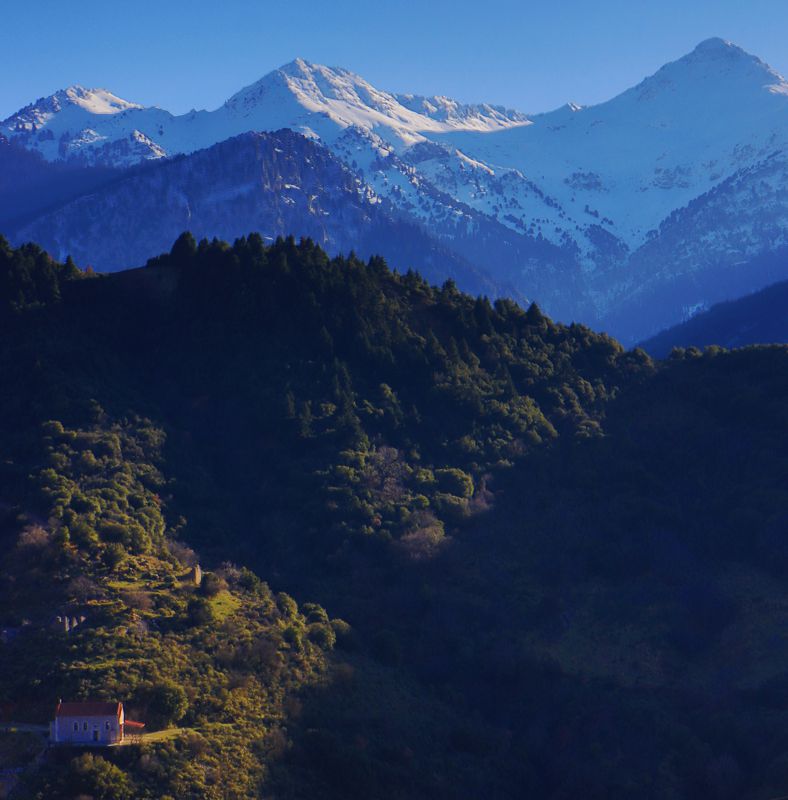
x,y
30,185
723,245
652,149
599,212
363,125
279,184
685,173
759,318
345,384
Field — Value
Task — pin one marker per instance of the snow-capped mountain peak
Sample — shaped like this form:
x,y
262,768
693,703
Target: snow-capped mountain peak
x,y
90,125
319,101
716,47
717,50
299,90
628,162
721,63
594,187
75,99
97,101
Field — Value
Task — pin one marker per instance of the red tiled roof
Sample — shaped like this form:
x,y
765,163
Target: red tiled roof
x,y
130,723
88,709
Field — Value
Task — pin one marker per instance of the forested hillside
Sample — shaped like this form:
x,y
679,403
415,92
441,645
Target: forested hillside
x,y
525,561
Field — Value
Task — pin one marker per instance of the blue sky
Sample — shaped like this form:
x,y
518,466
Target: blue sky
x,y
533,56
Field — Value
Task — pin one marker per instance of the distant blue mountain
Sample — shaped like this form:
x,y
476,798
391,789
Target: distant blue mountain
x,y
758,318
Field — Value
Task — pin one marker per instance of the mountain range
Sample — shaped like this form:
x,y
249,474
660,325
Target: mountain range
x,y
630,215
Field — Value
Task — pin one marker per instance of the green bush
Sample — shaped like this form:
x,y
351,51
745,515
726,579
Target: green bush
x,y
212,584
166,703
454,481
199,612
294,636
288,607
322,635
314,613
92,776
113,556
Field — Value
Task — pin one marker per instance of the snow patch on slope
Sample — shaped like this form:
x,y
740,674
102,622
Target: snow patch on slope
x,y
598,182
634,159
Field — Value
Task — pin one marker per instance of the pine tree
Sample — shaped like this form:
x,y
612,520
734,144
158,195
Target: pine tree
x,y
184,250
482,314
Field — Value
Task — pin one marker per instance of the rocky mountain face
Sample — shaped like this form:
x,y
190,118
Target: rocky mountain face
x,y
271,183
630,215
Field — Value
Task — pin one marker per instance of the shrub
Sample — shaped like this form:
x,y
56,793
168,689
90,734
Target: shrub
x,y
314,613
249,581
83,589
453,508
93,776
200,612
294,636
424,478
139,600
212,584
34,537
166,703
112,531
113,556
424,538
183,555
288,607
455,481
322,635
344,634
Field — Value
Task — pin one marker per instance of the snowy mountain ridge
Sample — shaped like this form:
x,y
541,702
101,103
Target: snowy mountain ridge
x,y
653,148
91,101
591,193
307,97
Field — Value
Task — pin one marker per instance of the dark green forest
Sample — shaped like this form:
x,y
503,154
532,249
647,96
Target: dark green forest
x,y
452,548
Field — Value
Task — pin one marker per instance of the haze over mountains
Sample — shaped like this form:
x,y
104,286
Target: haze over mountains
x,y
630,215
756,319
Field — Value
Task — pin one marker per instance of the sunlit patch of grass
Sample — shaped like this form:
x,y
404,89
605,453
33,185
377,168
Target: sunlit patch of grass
x,y
223,605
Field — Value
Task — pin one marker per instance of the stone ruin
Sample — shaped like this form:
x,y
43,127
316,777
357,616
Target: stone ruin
x,y
68,624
